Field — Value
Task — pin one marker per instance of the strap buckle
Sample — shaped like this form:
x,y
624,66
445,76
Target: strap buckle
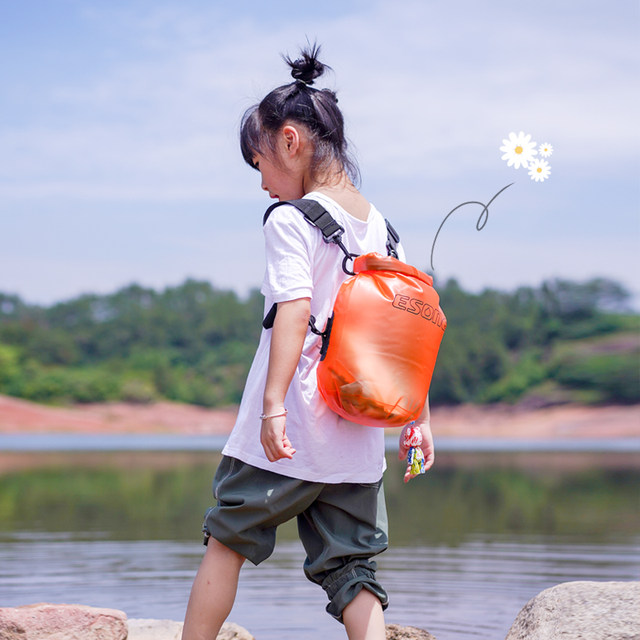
x,y
335,237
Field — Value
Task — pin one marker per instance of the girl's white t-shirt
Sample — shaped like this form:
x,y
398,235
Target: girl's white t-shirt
x,y
301,265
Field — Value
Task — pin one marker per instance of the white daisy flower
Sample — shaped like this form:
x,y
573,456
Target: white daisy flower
x,y
518,150
545,150
539,170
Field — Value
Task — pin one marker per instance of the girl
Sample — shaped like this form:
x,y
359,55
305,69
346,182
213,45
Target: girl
x,y
289,455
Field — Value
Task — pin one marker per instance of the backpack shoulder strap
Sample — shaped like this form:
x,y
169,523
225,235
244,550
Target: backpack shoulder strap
x,y
319,217
332,232
392,240
315,213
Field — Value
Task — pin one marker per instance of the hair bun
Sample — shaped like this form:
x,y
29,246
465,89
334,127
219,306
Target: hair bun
x,y
307,68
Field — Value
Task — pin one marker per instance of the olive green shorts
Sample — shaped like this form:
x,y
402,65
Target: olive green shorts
x,y
341,526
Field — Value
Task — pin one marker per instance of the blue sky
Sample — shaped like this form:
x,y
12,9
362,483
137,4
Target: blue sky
x,y
119,160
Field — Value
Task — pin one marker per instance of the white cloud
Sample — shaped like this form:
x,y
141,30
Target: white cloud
x,y
423,94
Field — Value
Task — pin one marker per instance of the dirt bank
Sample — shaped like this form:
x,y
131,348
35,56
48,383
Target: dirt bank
x,y
465,421
163,417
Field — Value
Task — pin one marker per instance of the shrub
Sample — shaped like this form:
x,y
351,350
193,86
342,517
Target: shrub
x,y
614,376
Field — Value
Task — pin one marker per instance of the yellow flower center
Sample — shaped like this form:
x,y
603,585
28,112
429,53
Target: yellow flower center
x,y
518,149
539,169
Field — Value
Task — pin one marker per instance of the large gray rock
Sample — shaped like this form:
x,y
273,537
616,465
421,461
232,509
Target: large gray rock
x,y
397,632
581,611
146,629
62,622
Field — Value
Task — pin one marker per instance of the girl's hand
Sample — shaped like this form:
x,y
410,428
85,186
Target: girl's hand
x,y
426,446
274,440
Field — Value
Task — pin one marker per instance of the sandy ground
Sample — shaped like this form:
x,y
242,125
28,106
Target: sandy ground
x,y
466,421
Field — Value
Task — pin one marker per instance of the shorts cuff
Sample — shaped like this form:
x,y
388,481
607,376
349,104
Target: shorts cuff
x,y
256,552
345,584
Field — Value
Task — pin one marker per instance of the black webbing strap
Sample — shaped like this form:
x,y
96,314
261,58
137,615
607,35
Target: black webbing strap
x,y
392,240
315,213
332,232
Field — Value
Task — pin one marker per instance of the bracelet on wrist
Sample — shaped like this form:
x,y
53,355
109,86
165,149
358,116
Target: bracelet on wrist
x,y
263,416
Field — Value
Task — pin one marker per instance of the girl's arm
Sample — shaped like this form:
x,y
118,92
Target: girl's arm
x,y
424,424
287,339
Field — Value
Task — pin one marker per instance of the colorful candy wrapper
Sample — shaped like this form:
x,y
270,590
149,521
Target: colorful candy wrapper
x,y
415,457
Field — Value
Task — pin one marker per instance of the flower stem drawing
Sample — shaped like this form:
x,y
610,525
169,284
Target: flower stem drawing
x,y
482,219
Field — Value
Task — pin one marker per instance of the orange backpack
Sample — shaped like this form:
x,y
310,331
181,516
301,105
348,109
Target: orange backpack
x,y
379,347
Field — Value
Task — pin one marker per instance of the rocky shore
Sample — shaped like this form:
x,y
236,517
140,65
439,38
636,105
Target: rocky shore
x,y
572,611
464,421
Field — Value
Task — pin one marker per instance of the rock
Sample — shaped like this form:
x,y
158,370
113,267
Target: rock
x,y
581,611
398,632
143,629
232,631
62,622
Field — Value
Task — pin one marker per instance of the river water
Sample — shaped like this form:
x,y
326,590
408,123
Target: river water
x,y
471,542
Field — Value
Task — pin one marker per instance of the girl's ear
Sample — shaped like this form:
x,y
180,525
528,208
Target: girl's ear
x,y
291,139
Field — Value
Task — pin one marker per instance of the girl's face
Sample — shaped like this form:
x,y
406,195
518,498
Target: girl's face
x,y
280,177
285,172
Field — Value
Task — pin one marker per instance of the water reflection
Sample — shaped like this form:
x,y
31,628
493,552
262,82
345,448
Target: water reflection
x,y
471,543
161,496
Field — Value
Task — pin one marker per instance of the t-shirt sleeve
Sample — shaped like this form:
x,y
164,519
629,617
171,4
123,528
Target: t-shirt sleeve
x,y
288,274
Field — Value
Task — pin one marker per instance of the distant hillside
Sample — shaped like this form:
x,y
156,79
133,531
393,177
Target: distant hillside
x,y
560,342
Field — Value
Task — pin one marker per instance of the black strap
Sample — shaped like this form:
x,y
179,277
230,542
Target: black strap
x,y
315,213
392,240
269,319
319,217
332,232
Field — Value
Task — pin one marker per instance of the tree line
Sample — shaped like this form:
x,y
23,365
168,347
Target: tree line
x,y
560,342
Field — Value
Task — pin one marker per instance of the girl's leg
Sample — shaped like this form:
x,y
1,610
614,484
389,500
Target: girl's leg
x,y
213,592
363,617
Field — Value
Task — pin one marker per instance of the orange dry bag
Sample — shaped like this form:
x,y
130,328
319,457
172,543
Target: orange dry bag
x,y
380,345
385,334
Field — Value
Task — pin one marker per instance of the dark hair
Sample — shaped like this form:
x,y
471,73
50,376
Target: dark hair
x,y
317,110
